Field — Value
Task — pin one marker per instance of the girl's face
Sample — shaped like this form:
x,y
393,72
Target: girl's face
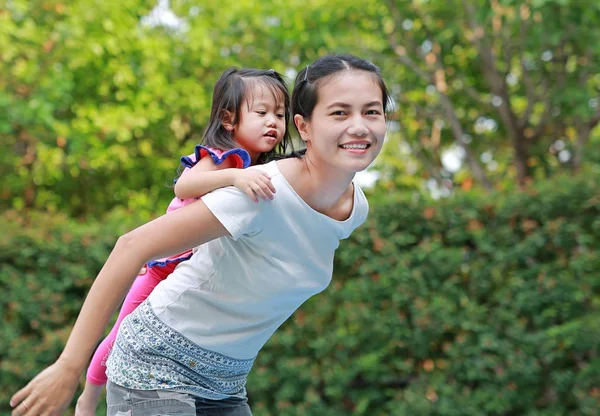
x,y
347,127
262,121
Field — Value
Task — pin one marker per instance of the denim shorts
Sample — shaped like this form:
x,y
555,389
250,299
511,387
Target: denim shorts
x,y
122,401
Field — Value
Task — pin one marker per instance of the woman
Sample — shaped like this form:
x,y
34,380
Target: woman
x,y
189,347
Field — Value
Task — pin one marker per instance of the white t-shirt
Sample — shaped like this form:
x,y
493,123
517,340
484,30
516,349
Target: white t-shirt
x,y
201,328
236,291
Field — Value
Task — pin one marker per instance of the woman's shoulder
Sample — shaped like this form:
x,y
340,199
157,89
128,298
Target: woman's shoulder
x,y
270,168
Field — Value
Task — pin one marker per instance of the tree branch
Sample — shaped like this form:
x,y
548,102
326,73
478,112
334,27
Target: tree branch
x,y
400,50
499,87
584,128
459,135
429,112
593,122
445,102
419,150
473,93
584,131
529,87
496,82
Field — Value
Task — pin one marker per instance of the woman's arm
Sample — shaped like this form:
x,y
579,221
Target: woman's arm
x,y
51,391
206,176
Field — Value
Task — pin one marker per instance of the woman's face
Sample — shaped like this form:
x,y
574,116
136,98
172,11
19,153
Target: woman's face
x,y
347,127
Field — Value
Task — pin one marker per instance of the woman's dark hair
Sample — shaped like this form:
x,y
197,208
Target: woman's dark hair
x,y
229,94
309,80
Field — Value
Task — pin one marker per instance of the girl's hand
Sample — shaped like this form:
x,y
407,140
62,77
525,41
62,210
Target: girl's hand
x,y
48,394
255,183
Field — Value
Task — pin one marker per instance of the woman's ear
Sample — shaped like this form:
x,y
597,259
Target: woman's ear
x,y
302,126
227,120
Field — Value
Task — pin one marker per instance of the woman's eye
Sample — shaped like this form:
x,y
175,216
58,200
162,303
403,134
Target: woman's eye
x,y
373,112
338,113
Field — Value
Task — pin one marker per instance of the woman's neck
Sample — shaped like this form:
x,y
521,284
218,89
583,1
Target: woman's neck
x,y
320,186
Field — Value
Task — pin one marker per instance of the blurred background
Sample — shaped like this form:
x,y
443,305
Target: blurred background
x,y
473,288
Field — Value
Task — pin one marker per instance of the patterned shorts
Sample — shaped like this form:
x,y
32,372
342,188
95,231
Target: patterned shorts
x,y
150,355
122,401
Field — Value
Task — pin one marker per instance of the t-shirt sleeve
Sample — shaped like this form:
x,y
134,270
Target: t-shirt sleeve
x,y
236,211
361,211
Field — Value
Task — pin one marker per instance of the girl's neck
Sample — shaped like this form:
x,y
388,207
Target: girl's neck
x,y
253,157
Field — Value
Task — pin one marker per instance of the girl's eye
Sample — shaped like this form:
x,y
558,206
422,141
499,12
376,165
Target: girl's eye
x,y
280,115
262,113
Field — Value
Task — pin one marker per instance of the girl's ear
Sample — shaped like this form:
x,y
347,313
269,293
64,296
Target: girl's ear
x,y
302,126
227,120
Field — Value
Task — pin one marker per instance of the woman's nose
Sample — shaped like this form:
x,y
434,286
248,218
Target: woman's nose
x,y
358,128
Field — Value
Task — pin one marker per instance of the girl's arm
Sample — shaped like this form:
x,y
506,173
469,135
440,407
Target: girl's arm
x,y
206,176
51,391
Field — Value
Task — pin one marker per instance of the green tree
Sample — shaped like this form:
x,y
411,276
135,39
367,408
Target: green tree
x,y
97,100
502,81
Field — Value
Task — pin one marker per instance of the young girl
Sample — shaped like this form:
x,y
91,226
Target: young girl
x,y
249,116
190,346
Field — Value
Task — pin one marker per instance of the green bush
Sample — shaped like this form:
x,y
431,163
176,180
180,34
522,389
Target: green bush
x,y
476,304
47,264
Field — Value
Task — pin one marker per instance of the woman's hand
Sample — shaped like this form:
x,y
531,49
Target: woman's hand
x,y
48,394
255,183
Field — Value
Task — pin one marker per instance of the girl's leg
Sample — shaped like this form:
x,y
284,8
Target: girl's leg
x,y
96,375
140,290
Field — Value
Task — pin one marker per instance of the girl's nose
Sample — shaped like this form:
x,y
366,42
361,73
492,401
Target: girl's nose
x,y
271,120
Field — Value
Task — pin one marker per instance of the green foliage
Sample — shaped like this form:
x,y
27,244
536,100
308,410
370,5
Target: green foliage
x,y
97,105
466,306
47,264
475,304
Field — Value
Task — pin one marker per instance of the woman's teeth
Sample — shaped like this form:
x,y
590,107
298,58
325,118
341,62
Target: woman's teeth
x,y
354,146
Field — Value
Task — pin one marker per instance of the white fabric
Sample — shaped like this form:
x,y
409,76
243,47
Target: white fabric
x,y
236,291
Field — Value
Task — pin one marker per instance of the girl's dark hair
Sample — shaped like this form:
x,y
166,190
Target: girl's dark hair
x,y
309,80
229,94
